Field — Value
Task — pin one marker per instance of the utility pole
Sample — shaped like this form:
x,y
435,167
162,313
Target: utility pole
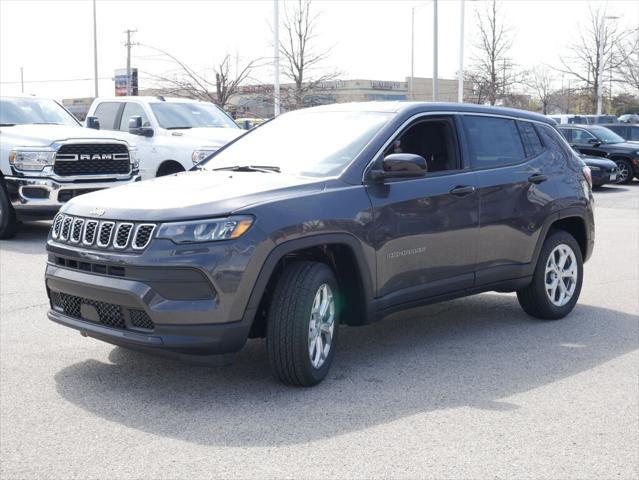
x,y
435,76
276,59
129,90
22,78
460,79
412,53
95,52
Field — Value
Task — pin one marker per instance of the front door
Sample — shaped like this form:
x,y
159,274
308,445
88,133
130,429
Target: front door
x,y
426,229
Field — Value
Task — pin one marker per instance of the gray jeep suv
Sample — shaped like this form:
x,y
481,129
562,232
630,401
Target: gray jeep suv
x,y
332,215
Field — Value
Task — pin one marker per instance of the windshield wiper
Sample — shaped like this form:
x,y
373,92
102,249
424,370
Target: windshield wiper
x,y
46,123
7,124
178,128
251,168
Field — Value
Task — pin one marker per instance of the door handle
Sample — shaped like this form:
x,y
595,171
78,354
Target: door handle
x,y
537,178
462,191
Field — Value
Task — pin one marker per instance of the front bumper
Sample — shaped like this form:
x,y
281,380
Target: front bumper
x,y
41,198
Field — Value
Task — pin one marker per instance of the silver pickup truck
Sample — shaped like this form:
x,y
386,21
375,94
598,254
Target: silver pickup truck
x,y
47,158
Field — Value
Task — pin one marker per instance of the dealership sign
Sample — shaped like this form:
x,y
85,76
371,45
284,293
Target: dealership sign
x,y
121,83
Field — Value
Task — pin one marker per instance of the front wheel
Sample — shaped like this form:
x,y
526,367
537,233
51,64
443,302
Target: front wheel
x,y
557,279
302,327
8,221
624,171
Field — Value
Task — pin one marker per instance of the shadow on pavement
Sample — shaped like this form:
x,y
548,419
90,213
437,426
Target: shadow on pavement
x,y
469,352
31,238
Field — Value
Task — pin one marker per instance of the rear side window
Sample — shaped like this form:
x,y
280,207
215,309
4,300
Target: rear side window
x,y
532,144
634,133
106,113
493,141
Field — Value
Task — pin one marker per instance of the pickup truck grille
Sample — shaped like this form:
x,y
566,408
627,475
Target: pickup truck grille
x,y
102,234
84,159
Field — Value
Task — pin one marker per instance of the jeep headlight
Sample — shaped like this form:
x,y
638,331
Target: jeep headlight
x,y
201,153
32,159
135,160
205,230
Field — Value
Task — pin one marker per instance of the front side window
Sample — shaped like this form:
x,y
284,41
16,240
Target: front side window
x,y
606,135
434,140
305,142
493,141
33,111
580,136
106,113
133,110
177,116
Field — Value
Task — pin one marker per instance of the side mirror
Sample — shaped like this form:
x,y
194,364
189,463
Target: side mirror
x,y
136,128
93,122
401,165
594,142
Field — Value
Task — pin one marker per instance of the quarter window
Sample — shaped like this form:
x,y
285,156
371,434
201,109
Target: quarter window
x,y
532,144
493,141
106,113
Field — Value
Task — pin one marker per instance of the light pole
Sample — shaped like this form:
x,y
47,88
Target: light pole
x,y
435,35
412,49
276,59
600,54
95,51
460,79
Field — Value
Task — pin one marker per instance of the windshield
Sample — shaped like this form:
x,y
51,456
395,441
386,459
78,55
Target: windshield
x,y
305,143
174,115
25,111
605,135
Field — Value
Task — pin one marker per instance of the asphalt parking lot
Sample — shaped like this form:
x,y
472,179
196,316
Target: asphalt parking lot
x,y
471,388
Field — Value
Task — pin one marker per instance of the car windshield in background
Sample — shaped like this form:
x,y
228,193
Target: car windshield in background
x,y
606,135
311,143
25,111
175,115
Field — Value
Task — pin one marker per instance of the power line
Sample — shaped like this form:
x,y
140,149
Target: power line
x,y
55,80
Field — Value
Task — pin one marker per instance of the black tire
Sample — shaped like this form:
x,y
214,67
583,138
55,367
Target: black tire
x,y
8,221
533,299
289,316
624,165
170,168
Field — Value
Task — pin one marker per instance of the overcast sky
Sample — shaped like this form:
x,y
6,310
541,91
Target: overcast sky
x,y
53,40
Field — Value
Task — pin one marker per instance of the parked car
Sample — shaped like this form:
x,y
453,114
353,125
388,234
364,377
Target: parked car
x,y
627,131
47,158
603,171
599,119
570,119
598,141
629,118
338,214
171,134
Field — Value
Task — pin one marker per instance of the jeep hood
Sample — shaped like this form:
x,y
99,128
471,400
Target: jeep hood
x,y
190,195
45,135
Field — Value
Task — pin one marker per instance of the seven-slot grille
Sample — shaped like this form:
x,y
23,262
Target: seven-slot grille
x,y
79,159
102,234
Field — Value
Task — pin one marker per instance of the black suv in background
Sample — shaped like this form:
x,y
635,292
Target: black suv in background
x,y
339,214
627,131
599,141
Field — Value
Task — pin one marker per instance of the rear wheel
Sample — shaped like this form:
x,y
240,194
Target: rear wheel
x,y
624,171
8,222
557,280
303,324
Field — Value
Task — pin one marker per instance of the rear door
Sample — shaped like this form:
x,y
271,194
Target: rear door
x,y
513,171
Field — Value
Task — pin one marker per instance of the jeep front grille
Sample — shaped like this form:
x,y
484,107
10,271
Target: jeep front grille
x,y
85,159
102,234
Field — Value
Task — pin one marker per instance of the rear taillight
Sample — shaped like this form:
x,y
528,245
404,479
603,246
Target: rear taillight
x,y
587,175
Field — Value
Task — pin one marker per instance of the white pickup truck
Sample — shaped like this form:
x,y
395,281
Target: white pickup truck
x,y
171,134
47,158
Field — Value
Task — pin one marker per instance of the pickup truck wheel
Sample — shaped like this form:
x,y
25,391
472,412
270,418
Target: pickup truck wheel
x,y
301,333
624,171
8,222
557,280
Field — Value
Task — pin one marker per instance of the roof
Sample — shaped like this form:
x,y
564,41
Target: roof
x,y
416,107
150,99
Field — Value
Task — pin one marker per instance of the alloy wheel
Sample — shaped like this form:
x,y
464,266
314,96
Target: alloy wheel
x,y
561,275
622,172
321,326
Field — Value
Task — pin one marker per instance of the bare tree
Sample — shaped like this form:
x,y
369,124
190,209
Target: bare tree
x,y
492,64
186,82
628,70
597,50
301,59
540,81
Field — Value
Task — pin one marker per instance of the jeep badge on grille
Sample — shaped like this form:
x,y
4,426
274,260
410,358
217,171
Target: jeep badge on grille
x,y
98,212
